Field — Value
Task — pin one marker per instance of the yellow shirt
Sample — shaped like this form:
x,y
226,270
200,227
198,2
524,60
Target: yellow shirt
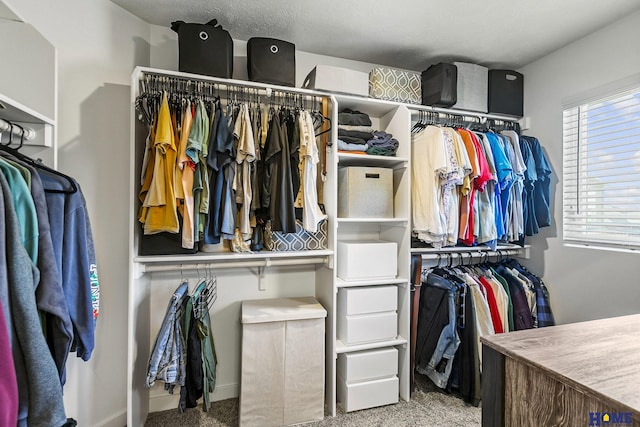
x,y
160,200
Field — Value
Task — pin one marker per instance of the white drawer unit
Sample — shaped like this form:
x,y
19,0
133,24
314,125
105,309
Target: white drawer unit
x,y
367,327
368,365
367,299
367,394
367,259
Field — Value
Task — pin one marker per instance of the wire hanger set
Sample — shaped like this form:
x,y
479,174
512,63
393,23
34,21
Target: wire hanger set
x,y
482,124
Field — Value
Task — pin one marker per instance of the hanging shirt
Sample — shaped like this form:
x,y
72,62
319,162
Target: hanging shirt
x,y
184,176
429,163
50,297
73,246
39,388
312,215
517,191
24,207
542,187
160,202
504,180
485,226
245,155
220,155
278,168
530,177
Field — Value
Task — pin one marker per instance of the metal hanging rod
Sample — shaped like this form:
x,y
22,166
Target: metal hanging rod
x,y
416,109
461,255
150,80
19,131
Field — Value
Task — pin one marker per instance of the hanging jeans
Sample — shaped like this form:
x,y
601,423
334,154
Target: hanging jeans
x,y
167,361
439,367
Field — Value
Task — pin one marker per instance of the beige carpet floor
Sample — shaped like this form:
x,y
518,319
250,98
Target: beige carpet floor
x,y
428,407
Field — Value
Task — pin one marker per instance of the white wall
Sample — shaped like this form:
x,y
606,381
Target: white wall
x,y
584,283
98,45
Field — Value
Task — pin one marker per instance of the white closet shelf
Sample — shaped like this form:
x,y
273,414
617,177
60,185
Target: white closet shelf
x,y
211,258
39,128
342,348
373,282
374,107
347,159
379,107
374,220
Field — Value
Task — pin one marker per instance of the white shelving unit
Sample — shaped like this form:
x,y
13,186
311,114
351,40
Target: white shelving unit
x,y
392,117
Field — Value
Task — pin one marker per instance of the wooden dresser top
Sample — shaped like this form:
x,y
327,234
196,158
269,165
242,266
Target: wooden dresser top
x,y
599,357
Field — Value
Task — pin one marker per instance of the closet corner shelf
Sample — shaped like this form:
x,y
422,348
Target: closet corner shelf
x,y
347,159
342,348
340,283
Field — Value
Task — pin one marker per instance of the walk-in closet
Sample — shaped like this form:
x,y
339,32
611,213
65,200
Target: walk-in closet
x,y
319,212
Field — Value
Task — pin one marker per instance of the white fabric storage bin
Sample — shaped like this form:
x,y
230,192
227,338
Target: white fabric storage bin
x,y
367,259
282,372
368,394
337,79
368,365
473,87
365,328
367,299
365,192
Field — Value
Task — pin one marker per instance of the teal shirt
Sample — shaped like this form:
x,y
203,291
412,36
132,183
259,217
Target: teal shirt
x,y
24,207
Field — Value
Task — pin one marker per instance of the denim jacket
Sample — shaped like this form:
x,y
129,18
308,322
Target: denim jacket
x,y
167,362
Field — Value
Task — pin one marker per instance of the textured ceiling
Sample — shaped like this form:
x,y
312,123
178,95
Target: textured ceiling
x,y
408,34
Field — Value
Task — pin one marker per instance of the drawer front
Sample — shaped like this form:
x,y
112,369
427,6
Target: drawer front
x,y
368,394
368,299
367,260
368,365
368,328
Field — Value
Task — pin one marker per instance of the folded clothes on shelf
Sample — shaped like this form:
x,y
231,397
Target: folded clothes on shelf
x,y
353,117
345,146
382,144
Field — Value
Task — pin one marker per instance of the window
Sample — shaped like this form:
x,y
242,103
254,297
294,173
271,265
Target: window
x,y
601,172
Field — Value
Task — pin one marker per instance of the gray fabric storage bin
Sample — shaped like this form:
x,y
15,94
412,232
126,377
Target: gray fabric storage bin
x,y
395,85
473,87
365,192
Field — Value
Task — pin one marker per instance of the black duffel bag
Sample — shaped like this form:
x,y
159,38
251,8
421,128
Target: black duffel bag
x,y
204,49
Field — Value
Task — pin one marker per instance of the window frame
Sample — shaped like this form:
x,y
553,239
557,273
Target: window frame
x,y
576,154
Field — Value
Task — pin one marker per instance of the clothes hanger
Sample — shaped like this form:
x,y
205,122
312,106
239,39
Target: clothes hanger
x,y
35,163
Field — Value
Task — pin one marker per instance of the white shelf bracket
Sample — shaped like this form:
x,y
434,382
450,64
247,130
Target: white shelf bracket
x,y
261,271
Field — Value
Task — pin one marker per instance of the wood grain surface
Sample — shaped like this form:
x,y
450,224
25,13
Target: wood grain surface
x,y
572,369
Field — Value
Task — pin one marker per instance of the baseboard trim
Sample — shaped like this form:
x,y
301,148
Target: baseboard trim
x,y
116,420
170,401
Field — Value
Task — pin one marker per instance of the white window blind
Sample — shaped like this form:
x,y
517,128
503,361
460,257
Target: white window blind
x,y
601,172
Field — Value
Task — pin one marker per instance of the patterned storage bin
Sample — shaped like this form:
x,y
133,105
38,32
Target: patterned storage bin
x,y
301,240
395,85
